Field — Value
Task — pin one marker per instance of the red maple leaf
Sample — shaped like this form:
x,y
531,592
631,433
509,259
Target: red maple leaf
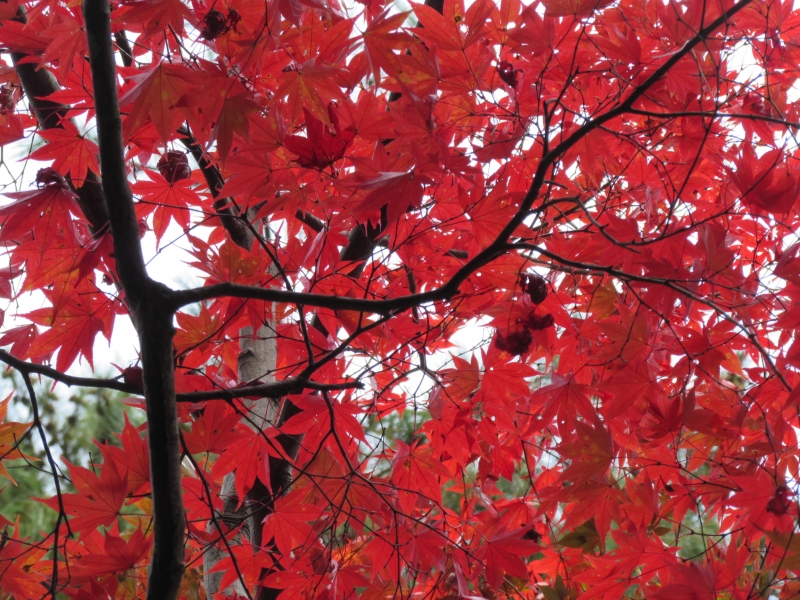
x,y
502,554
73,323
46,213
417,473
288,525
72,154
322,147
119,555
132,458
97,500
156,93
214,430
168,201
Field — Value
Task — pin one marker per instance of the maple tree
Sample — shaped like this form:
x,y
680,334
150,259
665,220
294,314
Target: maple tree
x,y
498,299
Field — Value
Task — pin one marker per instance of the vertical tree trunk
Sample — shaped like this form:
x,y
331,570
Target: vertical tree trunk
x,y
151,308
257,360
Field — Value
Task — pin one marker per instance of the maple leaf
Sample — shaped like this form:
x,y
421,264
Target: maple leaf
x,y
381,38
437,29
17,575
155,94
45,212
72,154
21,37
316,423
765,182
20,339
766,504
9,10
499,141
463,379
323,146
97,500
170,201
311,86
250,457
118,555
591,453
416,472
501,554
252,177
132,458
68,42
154,16
567,397
72,328
196,334
288,525
214,430
232,119
787,548
296,583
691,581
250,563
12,127
577,8
397,191
6,276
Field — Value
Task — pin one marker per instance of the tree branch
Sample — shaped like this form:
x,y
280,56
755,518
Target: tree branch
x,y
151,312
124,46
275,389
37,82
62,513
236,226
234,290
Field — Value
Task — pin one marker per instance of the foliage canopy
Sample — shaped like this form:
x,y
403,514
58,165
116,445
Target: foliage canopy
x,y
496,300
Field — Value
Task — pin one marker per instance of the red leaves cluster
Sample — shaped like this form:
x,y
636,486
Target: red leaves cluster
x,y
519,340
655,190
322,145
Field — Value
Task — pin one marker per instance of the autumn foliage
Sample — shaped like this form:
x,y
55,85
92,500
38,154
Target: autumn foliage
x,y
528,275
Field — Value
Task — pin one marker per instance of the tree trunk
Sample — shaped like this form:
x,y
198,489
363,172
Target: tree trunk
x,y
256,362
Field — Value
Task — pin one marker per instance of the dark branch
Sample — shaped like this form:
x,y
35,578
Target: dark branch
x,y
119,199
236,226
62,513
151,311
37,83
713,115
276,389
233,290
124,46
28,368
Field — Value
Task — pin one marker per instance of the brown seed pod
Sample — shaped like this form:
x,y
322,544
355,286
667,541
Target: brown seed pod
x,y
515,343
535,286
214,24
174,166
